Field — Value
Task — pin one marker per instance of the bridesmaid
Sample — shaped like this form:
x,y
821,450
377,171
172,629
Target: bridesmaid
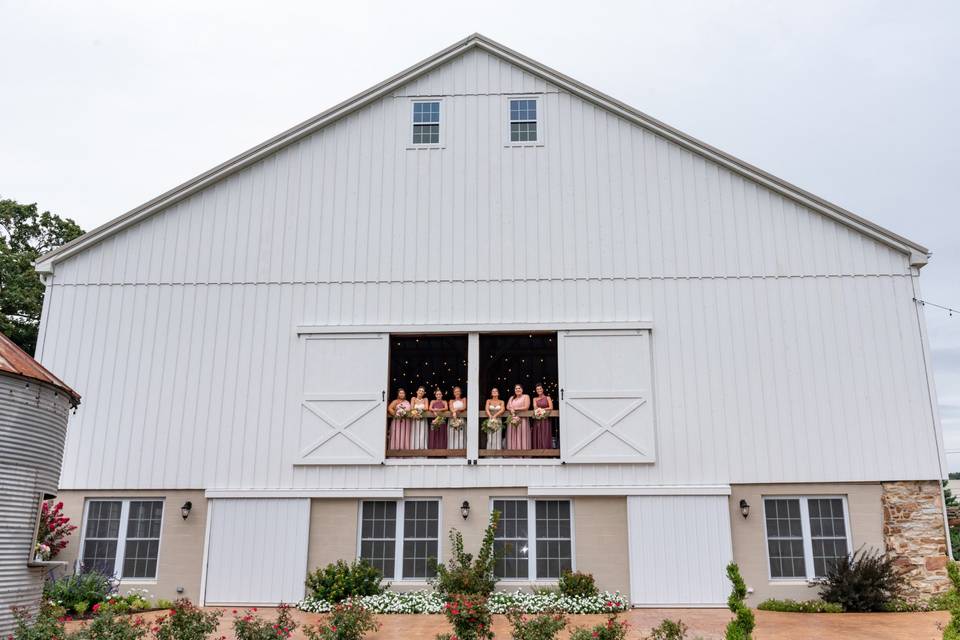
x,y
494,409
518,437
420,426
438,435
542,429
399,427
456,438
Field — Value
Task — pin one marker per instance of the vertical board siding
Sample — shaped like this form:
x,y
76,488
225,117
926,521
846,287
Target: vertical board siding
x,y
773,325
679,547
257,551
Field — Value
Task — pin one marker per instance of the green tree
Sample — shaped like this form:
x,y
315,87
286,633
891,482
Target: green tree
x,y
25,235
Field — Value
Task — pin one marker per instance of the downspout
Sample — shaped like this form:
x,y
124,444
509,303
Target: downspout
x,y
932,397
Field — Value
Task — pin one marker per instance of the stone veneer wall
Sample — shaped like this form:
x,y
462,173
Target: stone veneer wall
x,y
914,534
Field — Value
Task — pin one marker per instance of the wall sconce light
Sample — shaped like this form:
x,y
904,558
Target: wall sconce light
x,y
185,509
744,508
465,510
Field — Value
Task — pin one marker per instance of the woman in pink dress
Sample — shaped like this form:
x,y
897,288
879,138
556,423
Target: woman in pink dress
x,y
518,437
438,435
542,436
399,426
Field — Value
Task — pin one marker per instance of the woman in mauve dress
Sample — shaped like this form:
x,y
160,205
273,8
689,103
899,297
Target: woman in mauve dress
x,y
518,437
421,426
438,435
542,436
399,427
456,437
494,409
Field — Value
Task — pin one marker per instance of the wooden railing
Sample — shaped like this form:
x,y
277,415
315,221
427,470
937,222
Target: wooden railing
x,y
422,449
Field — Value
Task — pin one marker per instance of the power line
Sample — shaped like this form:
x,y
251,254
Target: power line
x,y
949,310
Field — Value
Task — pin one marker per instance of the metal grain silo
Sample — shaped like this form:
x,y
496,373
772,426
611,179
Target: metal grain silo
x,y
34,406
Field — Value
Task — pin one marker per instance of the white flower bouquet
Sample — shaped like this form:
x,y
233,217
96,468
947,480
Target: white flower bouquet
x,y
400,412
492,425
541,413
513,420
455,422
416,413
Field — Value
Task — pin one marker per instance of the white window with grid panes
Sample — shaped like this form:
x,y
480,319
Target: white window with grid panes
x,y
426,122
121,538
524,114
417,537
805,535
534,538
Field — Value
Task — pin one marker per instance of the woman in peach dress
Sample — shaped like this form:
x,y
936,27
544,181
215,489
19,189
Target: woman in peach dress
x,y
399,425
518,437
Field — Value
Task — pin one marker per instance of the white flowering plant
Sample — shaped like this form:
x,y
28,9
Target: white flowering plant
x,y
430,602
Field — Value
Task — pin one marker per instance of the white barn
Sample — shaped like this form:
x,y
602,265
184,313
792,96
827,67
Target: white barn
x,y
737,368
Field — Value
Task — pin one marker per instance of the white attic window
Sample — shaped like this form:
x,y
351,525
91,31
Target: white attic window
x,y
426,122
524,120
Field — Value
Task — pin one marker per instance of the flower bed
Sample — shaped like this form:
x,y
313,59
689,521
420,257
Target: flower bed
x,y
392,602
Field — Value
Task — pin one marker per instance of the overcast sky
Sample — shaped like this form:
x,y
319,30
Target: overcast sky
x,y
105,105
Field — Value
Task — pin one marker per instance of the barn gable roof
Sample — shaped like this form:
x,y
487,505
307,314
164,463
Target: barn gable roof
x,y
918,253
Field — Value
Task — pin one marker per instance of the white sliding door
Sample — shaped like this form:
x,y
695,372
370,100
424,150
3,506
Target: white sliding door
x,y
679,550
343,413
256,551
606,408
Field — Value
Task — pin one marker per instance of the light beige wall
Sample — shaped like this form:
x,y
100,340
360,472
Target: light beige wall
x,y
333,531
181,541
750,547
600,531
600,523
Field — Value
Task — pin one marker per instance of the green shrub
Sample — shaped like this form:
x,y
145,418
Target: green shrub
x,y
669,630
865,581
742,625
44,626
109,624
186,622
577,584
469,616
345,622
801,606
338,581
164,604
250,626
612,629
464,574
544,626
84,589
952,630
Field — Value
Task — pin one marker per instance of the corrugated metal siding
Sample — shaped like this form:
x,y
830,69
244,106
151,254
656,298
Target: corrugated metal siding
x,y
257,551
679,547
33,420
773,327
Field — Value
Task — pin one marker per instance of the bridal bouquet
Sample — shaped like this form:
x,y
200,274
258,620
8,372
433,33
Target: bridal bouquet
x,y
492,425
541,413
455,422
400,412
437,422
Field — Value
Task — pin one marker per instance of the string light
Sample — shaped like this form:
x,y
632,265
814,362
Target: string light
x,y
949,310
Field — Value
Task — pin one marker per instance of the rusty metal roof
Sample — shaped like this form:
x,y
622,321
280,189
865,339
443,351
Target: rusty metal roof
x,y
15,360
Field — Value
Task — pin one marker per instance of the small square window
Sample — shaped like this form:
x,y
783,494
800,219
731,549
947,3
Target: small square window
x,y
426,122
523,120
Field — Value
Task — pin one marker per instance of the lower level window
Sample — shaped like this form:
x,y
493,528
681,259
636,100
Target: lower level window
x,y
549,522
418,538
805,535
121,538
